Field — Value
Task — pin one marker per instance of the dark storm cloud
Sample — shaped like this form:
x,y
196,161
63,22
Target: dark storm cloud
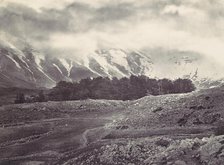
x,y
23,21
80,17
114,12
87,25
100,16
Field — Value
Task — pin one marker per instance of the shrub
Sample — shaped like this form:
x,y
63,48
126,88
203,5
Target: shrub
x,y
20,98
219,129
162,143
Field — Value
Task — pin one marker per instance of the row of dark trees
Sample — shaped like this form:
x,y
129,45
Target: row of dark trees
x,y
118,89
22,98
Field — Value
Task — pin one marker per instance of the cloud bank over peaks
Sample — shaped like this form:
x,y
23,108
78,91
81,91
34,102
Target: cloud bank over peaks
x,y
79,27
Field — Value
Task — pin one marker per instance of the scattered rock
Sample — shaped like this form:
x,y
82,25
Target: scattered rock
x,y
33,163
195,146
200,107
180,162
207,98
212,118
162,143
197,121
122,127
182,121
169,163
157,109
219,130
193,107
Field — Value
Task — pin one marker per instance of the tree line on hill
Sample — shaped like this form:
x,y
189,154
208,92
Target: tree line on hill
x,y
125,88
22,98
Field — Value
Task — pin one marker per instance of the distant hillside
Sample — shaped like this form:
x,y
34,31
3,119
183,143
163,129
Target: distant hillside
x,y
21,65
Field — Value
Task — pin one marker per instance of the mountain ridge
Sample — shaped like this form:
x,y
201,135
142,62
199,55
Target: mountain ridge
x,y
24,66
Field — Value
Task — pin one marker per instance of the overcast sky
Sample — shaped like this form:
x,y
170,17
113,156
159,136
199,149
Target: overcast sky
x,y
79,27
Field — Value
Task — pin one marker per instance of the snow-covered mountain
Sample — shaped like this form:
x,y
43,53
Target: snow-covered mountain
x,y
23,66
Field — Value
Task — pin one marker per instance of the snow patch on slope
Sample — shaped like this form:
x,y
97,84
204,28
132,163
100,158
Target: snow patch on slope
x,y
16,63
38,59
58,68
85,62
107,67
119,57
68,66
46,75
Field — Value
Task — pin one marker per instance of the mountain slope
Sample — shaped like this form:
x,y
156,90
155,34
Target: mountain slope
x,y
23,66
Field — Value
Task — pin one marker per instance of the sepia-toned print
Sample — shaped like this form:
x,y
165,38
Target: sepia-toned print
x,y
111,82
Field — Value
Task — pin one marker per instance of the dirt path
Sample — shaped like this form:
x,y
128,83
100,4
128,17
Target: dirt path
x,y
59,136
168,131
87,134
84,137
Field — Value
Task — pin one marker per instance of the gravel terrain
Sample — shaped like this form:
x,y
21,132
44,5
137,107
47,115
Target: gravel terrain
x,y
176,129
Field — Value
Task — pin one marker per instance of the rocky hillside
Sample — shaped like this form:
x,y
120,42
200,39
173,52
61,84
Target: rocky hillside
x,y
181,129
165,130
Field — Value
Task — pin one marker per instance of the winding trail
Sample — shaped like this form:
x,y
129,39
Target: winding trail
x,y
84,137
60,136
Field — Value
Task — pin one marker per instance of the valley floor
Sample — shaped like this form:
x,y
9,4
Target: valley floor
x,y
169,129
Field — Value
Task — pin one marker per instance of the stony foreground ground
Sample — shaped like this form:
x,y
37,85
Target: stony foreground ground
x,y
171,129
